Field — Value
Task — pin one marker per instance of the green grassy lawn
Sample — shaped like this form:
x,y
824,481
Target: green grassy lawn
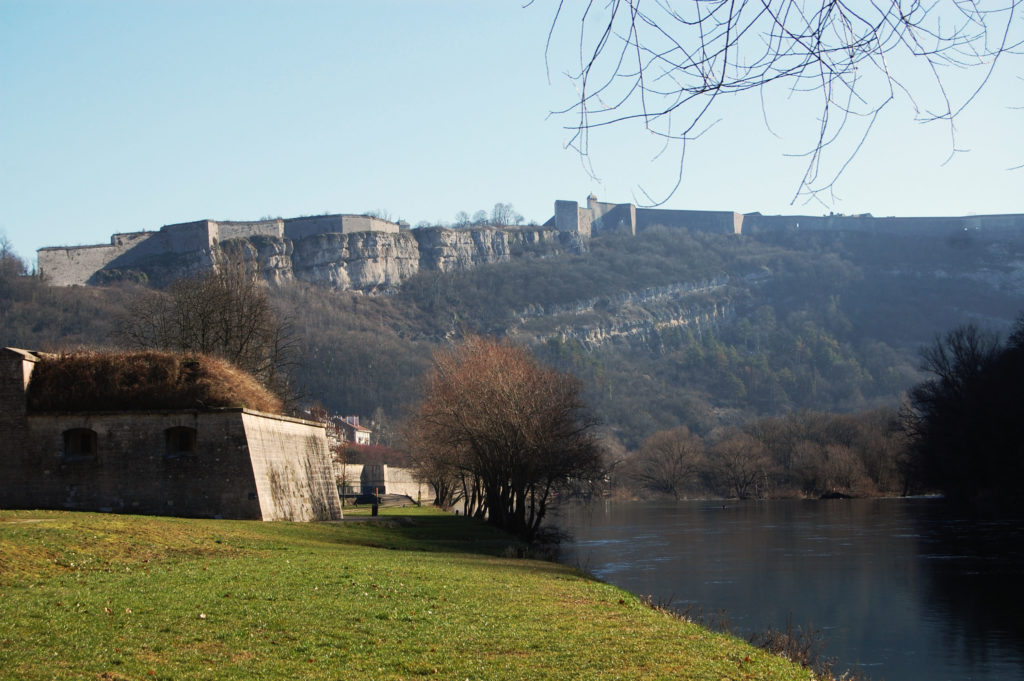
x,y
410,595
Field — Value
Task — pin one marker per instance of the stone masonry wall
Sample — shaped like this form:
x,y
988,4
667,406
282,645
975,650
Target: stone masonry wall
x,y
15,371
615,219
718,222
302,228
229,463
292,467
755,223
364,479
297,229
569,217
186,248
245,465
74,266
244,230
364,223
131,470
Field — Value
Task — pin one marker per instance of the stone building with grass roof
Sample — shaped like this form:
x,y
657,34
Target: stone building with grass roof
x,y
155,433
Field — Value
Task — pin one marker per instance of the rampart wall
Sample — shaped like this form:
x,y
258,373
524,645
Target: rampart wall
x,y
602,217
755,223
302,228
74,265
297,229
244,230
289,462
358,478
231,463
713,221
129,471
599,209
1009,221
190,244
130,239
189,236
351,224
569,217
615,219
371,254
16,367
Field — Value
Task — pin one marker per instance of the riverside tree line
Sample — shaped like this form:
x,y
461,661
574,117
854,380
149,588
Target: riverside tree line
x,y
806,454
959,432
502,434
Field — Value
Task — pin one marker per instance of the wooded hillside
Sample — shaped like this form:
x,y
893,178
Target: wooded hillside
x,y
666,328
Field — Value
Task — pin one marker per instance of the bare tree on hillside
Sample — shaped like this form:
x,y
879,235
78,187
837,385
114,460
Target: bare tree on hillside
x,y
504,215
225,312
665,64
11,264
12,271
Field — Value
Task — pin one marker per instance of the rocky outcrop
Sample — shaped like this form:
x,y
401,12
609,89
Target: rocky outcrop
x,y
445,250
366,261
377,262
372,261
637,316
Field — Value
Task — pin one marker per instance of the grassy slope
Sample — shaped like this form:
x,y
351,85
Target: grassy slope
x,y
91,596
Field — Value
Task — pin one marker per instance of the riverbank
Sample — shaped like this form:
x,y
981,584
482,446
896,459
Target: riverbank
x,y
412,594
888,583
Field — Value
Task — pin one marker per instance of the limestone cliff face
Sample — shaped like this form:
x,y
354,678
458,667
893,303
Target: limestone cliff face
x,y
448,249
273,254
637,316
379,262
366,261
321,250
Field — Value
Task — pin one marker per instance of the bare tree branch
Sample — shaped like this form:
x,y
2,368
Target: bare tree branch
x,y
665,64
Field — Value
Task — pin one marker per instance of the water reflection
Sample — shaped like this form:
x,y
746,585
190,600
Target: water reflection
x,y
974,585
899,587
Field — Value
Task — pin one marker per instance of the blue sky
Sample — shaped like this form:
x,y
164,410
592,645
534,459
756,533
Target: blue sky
x,y
119,116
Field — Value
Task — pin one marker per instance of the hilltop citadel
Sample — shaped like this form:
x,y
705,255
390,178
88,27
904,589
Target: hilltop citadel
x,y
368,253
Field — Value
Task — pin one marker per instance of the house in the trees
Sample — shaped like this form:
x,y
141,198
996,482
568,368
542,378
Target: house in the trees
x,y
350,430
148,433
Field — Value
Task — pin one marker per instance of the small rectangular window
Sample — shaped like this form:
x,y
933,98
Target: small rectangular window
x,y
80,444
180,442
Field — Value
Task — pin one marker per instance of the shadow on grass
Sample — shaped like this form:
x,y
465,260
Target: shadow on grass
x,y
49,542
439,533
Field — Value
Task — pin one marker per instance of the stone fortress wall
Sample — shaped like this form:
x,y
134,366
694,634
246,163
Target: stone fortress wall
x,y
625,218
755,223
599,218
232,462
79,265
366,253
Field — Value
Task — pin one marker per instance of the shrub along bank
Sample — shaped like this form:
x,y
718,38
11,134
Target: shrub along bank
x,y
397,597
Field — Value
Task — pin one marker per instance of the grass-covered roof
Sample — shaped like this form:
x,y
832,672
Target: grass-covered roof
x,y
143,380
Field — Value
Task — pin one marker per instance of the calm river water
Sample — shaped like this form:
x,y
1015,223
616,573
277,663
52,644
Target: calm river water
x,y
900,588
